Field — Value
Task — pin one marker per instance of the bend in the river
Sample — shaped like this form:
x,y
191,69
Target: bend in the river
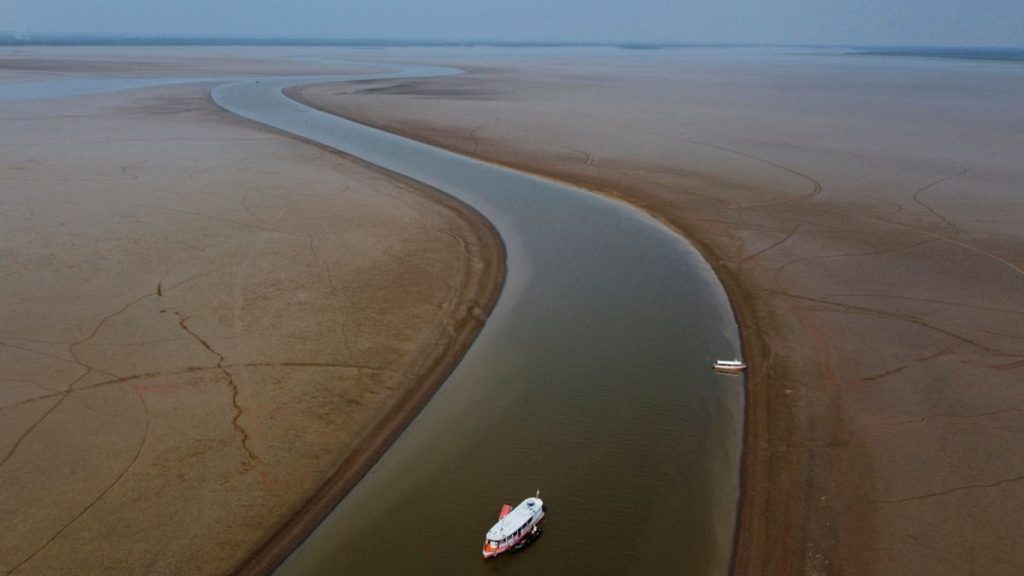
x,y
591,381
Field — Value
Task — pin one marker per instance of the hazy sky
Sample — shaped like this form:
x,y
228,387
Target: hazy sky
x,y
891,22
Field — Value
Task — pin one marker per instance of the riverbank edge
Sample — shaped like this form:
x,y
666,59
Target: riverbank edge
x,y
769,535
479,296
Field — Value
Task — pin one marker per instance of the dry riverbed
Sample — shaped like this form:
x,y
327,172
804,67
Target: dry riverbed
x,y
208,328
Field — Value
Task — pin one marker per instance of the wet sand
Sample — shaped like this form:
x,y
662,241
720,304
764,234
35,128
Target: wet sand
x,y
208,329
864,215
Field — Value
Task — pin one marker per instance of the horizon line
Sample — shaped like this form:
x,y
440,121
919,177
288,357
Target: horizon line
x,y
22,39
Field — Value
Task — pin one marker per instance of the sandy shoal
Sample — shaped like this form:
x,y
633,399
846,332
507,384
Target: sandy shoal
x,y
208,329
865,217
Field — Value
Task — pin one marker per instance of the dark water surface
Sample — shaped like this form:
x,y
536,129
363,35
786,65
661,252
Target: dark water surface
x,y
592,382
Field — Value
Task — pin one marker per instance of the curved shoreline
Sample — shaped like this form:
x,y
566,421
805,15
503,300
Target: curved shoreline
x,y
750,547
475,308
478,298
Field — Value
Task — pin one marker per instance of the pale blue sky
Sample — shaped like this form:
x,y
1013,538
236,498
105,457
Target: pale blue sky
x,y
888,22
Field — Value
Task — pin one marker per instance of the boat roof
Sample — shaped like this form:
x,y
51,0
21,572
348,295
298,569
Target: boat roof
x,y
518,517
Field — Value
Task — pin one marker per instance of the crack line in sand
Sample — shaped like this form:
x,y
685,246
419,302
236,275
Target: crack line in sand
x,y
162,291
183,322
37,352
60,398
71,386
195,369
135,458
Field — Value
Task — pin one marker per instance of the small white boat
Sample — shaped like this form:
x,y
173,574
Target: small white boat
x,y
730,366
516,527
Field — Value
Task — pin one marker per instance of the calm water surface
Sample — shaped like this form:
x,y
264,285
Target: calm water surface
x,y
590,382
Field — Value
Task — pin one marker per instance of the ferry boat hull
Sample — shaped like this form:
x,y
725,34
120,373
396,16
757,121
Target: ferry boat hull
x,y
515,528
730,366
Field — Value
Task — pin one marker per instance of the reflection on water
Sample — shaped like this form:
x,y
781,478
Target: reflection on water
x,y
592,382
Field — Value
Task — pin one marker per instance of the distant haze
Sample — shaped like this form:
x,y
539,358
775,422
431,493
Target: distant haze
x,y
862,22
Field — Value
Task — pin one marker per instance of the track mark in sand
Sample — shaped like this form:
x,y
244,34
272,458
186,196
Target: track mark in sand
x,y
334,365
473,135
951,240
205,169
276,227
267,225
897,207
588,158
311,240
816,186
784,239
953,491
884,314
883,374
916,198
323,263
102,494
922,419
126,170
855,254
210,217
1010,366
232,385
463,245
1003,335
642,175
926,301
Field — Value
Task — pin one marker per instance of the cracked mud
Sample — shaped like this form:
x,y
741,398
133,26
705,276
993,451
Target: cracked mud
x,y
203,322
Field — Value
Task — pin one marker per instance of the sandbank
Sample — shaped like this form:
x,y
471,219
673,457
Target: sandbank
x,y
209,330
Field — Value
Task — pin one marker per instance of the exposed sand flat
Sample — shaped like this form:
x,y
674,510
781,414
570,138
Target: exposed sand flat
x,y
201,321
865,215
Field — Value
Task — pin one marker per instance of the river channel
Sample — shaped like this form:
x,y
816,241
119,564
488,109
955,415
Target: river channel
x,y
591,382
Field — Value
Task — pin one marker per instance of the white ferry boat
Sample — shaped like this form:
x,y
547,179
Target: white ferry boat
x,y
516,527
732,366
